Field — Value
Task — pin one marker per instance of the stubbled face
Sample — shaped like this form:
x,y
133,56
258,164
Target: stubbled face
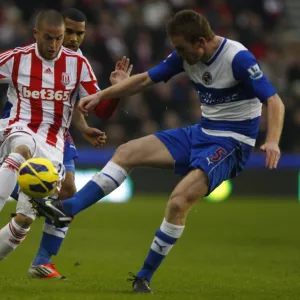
x,y
74,34
192,53
49,40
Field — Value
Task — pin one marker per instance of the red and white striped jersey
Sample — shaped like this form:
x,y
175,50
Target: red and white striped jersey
x,y
43,92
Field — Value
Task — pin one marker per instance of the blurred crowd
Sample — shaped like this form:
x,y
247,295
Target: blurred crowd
x,y
136,28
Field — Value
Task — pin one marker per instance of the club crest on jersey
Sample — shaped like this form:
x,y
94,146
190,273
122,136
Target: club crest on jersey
x,y
207,78
65,78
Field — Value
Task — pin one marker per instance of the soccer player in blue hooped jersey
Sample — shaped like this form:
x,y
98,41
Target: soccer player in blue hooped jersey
x,y
232,89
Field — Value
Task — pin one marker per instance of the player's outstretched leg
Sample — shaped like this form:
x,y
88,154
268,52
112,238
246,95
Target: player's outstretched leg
x,y
52,238
8,175
50,244
16,230
186,194
103,183
148,151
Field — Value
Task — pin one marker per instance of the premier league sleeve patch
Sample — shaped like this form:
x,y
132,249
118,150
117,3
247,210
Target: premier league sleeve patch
x,y
255,72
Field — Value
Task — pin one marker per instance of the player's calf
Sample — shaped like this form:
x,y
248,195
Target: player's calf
x,y
68,188
23,220
186,194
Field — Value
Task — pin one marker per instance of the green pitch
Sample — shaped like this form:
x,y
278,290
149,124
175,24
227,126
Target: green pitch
x,y
239,249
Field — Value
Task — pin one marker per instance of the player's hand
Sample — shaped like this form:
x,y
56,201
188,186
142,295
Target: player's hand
x,y
122,71
94,136
89,103
272,154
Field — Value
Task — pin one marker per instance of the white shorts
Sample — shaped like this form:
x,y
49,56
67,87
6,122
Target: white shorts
x,y
19,134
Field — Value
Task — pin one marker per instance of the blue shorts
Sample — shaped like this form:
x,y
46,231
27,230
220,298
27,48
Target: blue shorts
x,y
220,158
70,153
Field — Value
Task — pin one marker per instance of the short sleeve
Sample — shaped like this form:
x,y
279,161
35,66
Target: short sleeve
x,y
168,68
246,69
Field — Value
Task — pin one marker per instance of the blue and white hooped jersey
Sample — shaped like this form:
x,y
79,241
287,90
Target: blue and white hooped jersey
x,y
231,87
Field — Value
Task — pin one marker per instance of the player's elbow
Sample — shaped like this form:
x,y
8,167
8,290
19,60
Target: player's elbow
x,y
145,80
275,101
106,108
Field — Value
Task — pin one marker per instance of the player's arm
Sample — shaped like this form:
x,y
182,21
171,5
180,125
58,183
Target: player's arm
x,y
78,120
94,136
275,115
6,66
135,84
246,69
89,86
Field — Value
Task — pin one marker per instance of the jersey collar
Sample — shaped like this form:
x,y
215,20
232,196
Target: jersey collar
x,y
217,53
43,59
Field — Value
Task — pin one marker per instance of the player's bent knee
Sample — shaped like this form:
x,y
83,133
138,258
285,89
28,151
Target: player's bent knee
x,y
68,188
67,191
123,154
24,150
177,204
23,221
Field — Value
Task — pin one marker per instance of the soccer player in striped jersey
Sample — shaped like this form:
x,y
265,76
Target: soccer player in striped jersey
x,y
43,80
52,238
232,89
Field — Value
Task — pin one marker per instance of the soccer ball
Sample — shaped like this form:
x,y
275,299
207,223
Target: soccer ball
x,y
38,178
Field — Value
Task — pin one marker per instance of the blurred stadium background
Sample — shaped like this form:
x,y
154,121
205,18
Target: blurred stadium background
x,y
269,28
248,246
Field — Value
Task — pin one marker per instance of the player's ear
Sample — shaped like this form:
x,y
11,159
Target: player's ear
x,y
201,42
35,32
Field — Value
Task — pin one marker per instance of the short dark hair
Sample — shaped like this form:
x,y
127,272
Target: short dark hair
x,y
191,25
50,17
74,14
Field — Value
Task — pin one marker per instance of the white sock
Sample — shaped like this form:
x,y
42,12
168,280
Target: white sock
x,y
8,175
110,177
11,236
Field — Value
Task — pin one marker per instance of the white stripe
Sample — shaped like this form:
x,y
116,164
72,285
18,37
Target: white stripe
x,y
222,160
15,51
237,136
4,56
50,229
25,69
233,111
161,247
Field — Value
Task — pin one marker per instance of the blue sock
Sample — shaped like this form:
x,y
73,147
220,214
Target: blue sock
x,y
50,243
164,240
103,183
87,196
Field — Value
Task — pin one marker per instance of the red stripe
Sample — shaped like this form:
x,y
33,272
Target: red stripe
x,y
78,75
14,77
5,56
36,79
59,68
15,233
11,162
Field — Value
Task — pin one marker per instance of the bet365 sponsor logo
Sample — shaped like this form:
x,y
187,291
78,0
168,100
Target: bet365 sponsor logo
x,y
45,94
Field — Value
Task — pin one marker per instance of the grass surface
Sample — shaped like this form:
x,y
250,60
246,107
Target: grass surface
x,y
240,249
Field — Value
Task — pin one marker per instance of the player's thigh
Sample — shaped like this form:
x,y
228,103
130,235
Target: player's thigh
x,y
21,143
68,188
145,151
